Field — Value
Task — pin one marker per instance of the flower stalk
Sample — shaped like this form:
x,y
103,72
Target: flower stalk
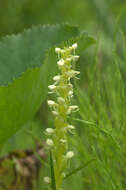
x,y
61,108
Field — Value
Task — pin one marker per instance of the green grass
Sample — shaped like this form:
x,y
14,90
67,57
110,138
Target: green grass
x,y
100,126
102,103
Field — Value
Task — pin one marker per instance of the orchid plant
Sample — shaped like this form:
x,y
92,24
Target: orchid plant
x,y
61,108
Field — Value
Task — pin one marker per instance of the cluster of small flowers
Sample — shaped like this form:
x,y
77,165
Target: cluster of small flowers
x,y
63,88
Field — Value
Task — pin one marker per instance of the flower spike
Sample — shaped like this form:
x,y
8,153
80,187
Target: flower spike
x,y
61,107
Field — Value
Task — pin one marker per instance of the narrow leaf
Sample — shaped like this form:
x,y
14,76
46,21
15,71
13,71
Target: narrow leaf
x,y
84,121
104,131
52,173
79,168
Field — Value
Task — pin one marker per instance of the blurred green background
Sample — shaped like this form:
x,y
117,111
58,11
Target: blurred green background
x,y
91,15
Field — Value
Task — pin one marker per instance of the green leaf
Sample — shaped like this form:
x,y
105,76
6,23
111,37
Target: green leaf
x,y
27,50
52,173
24,75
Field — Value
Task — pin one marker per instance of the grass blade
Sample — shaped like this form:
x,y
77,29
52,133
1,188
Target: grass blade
x,y
83,121
79,168
52,173
105,132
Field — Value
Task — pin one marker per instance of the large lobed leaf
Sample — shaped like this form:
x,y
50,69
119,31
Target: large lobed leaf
x,y
26,66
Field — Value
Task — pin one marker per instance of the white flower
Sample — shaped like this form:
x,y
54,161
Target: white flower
x,y
70,93
70,85
75,57
55,113
75,72
52,87
51,103
60,100
64,141
50,142
56,78
61,62
72,108
70,127
74,46
57,50
49,131
63,51
69,59
72,73
47,179
64,175
69,154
